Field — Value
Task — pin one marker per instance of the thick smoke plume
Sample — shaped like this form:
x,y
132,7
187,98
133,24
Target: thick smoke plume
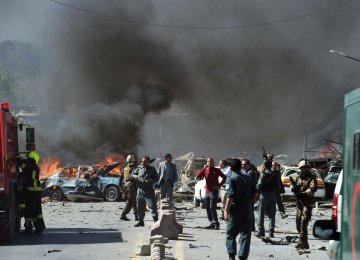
x,y
240,89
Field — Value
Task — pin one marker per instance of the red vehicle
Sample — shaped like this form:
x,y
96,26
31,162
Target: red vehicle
x,y
9,219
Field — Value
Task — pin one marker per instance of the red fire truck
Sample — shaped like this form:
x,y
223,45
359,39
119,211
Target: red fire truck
x,y
9,149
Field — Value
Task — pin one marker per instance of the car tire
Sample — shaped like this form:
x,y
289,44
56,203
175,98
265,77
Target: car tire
x,y
112,194
56,195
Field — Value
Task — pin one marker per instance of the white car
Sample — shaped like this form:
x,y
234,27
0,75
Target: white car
x,y
199,193
288,172
333,250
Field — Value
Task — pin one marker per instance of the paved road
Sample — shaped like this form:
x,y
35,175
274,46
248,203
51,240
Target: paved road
x,y
93,231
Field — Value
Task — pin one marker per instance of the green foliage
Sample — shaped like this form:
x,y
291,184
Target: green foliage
x,y
19,73
7,86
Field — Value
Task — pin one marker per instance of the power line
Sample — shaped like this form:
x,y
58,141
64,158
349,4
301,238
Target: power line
x,y
190,27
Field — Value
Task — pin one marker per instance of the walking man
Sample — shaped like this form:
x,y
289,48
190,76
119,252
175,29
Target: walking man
x,y
241,194
167,177
267,186
223,166
146,176
276,169
211,175
304,187
128,184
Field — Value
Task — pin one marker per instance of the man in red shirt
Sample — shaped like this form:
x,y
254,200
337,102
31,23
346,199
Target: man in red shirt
x,y
211,175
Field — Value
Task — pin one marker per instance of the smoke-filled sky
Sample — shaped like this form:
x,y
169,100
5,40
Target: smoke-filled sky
x,y
107,81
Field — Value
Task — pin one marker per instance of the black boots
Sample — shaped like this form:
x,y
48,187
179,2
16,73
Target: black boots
x,y
260,234
303,243
271,233
123,217
283,215
211,226
140,224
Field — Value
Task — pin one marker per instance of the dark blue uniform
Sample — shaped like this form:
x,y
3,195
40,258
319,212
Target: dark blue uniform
x,y
240,189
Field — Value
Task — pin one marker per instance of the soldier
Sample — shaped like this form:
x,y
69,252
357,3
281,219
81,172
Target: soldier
x,y
267,186
30,187
146,177
241,194
304,187
128,185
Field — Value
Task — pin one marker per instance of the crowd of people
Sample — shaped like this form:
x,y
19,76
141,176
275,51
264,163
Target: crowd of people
x,y
244,187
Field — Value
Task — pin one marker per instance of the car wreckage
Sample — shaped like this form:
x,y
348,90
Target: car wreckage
x,y
83,183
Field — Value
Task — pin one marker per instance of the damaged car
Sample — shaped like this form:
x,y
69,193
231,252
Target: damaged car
x,y
83,183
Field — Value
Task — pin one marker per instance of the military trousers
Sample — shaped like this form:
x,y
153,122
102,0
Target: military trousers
x,y
239,223
144,197
130,191
303,217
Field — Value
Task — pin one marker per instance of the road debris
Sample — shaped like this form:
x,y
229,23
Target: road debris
x,y
49,251
284,241
194,246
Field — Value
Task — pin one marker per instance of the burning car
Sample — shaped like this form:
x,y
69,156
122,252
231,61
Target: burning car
x,y
74,183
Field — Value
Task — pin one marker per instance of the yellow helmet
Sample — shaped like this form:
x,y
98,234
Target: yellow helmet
x,y
34,155
303,163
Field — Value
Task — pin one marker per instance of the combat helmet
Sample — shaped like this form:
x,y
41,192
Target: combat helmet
x,y
304,163
130,158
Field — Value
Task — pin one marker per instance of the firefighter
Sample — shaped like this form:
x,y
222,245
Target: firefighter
x,y
31,189
128,185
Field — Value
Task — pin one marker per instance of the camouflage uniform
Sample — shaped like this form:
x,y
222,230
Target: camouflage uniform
x,y
304,188
129,187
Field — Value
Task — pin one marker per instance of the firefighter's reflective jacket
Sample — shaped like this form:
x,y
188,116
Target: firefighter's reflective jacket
x,y
29,174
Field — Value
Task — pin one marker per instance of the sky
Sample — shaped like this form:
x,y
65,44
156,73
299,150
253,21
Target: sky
x,y
159,76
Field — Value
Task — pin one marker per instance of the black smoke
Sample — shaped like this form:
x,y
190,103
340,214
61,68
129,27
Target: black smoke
x,y
235,90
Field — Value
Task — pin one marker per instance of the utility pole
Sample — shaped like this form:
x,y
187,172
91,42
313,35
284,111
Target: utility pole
x,y
305,142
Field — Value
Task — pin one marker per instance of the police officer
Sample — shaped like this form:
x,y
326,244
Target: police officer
x,y
128,184
146,177
31,189
268,185
250,170
238,212
304,186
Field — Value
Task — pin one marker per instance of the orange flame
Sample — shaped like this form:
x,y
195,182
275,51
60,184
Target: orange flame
x,y
112,158
48,167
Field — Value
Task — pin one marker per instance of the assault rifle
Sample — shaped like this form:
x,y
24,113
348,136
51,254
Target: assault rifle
x,y
296,189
